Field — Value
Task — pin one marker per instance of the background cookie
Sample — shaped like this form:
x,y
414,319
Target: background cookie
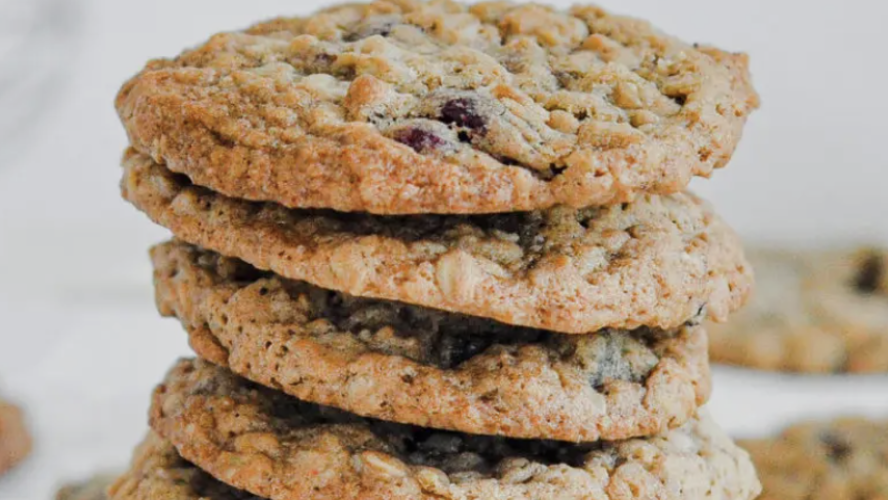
x,y
430,368
843,459
278,447
15,441
94,488
659,261
813,311
439,107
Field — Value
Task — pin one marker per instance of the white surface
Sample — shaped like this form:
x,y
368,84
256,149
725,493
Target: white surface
x,y
81,344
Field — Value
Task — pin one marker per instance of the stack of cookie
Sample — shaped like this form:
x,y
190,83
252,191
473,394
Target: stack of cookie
x,y
430,250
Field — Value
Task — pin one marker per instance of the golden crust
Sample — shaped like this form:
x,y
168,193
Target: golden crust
x,y
275,447
411,107
440,370
657,262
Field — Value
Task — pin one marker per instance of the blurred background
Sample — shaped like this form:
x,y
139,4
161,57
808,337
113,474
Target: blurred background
x,y
81,345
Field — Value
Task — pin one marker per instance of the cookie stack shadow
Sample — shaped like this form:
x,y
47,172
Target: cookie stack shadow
x,y
428,250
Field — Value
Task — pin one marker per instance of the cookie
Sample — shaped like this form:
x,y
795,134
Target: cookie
x,y
94,488
15,441
430,368
814,311
657,262
844,459
406,107
280,448
159,473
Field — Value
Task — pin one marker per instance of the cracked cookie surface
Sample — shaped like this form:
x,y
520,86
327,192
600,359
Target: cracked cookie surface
x,y
843,459
277,447
402,106
426,367
15,440
813,311
657,262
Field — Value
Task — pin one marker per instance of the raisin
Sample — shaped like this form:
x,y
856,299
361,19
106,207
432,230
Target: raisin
x,y
463,112
870,274
837,449
420,140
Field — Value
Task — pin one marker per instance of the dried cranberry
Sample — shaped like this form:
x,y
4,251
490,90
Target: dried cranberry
x,y
462,112
837,448
418,139
870,274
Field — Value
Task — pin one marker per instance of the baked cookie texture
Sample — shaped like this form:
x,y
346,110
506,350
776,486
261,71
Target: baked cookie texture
x,y
405,107
425,367
94,488
158,472
814,311
277,447
656,262
843,459
15,440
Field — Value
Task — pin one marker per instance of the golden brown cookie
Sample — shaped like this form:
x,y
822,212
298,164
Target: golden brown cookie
x,y
419,366
656,262
403,107
15,441
844,459
159,473
813,311
94,488
280,448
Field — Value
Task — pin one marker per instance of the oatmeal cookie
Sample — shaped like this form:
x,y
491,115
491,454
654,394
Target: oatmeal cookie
x,y
814,311
430,368
94,488
159,473
657,262
406,107
15,441
280,448
844,459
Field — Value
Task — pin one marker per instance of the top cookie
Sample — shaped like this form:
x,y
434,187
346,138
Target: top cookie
x,y
400,106
814,311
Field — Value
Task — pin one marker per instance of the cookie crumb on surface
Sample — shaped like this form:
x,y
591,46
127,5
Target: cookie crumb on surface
x,y
15,440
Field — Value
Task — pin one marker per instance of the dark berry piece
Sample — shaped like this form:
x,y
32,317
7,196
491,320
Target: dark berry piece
x,y
420,140
463,112
837,449
870,274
